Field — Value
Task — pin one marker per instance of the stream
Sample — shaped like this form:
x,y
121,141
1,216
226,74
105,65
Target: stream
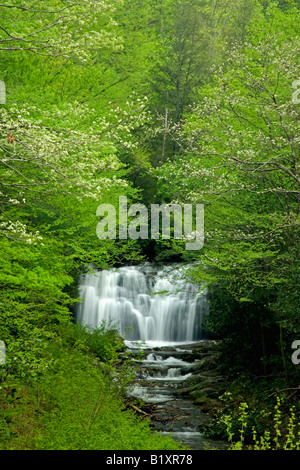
x,y
161,313
163,372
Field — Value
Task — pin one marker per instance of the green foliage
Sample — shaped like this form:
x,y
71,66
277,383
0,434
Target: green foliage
x,y
32,281
78,401
71,121
239,156
104,342
249,339
284,435
160,101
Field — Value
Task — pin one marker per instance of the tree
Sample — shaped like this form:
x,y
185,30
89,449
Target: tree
x,y
195,36
68,29
242,160
59,159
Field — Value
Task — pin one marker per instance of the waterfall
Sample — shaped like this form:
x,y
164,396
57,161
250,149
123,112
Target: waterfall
x,y
145,303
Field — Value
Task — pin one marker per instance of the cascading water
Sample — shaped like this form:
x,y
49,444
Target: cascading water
x,y
159,310
146,303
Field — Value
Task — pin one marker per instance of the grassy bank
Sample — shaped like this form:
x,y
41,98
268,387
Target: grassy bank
x,y
77,403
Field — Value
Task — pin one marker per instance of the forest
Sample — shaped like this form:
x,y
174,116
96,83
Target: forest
x,y
163,102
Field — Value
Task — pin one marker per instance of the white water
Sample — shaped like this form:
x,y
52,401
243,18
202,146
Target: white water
x,y
146,304
153,307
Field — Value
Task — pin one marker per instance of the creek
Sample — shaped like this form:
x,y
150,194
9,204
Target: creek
x,y
161,313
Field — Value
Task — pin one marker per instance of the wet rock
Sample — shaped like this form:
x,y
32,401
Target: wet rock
x,y
208,362
208,405
206,382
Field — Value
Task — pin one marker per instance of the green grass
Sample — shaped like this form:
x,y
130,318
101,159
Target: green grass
x,y
78,403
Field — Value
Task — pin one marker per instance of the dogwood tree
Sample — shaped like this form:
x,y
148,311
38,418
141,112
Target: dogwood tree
x,y
49,145
240,158
71,29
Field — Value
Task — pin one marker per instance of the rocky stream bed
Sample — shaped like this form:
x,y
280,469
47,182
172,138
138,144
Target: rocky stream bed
x,y
177,387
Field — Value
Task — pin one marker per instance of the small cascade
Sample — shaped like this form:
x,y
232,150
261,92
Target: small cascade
x,y
161,374
149,304
173,372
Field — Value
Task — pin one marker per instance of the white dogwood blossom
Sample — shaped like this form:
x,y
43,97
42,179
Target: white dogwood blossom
x,y
56,28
